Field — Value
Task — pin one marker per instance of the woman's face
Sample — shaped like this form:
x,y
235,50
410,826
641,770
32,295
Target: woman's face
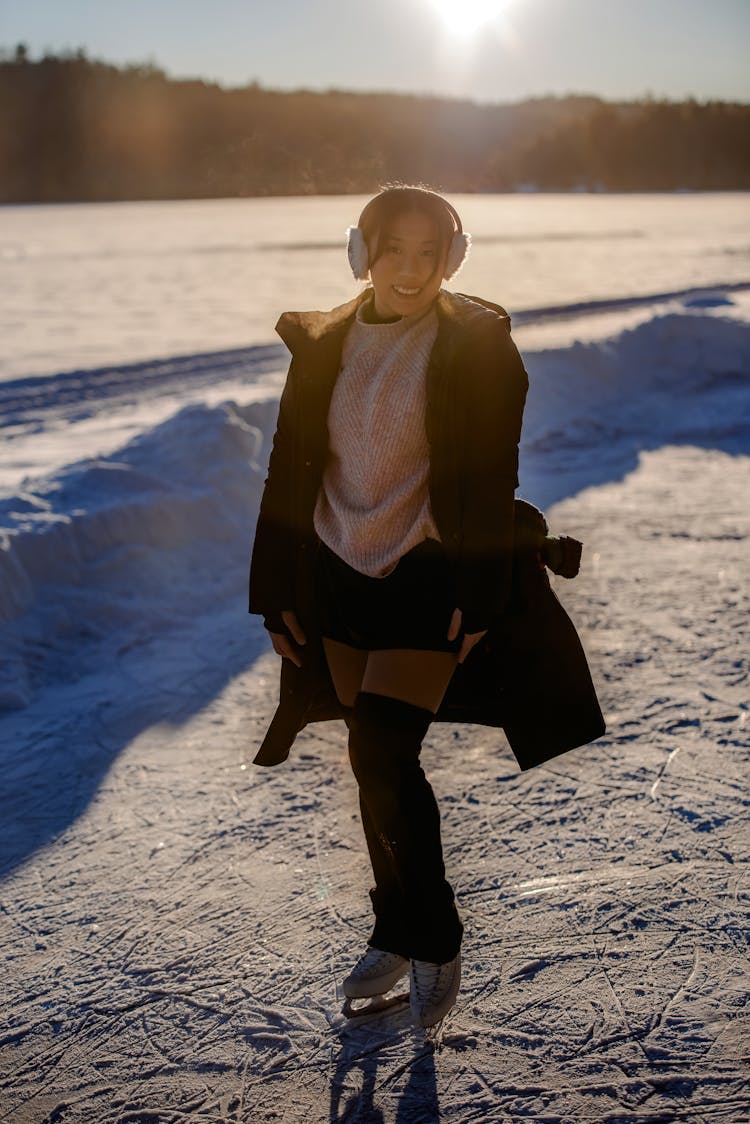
x,y
407,274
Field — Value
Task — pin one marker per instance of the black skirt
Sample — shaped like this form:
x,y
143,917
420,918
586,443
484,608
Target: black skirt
x,y
411,607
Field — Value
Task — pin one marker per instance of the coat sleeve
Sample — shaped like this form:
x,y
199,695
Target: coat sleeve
x,y
494,393
273,562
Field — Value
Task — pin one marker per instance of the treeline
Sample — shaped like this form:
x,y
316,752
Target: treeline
x,y
74,129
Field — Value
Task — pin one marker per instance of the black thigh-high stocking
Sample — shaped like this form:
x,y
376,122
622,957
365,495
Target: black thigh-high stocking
x,y
415,913
387,891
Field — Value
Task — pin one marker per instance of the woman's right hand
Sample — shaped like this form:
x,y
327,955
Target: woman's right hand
x,y
282,645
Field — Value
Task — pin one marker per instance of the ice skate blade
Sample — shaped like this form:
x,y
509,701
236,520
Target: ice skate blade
x,y
375,1005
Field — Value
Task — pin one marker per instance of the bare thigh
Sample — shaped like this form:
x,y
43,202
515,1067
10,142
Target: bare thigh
x,y
347,667
409,674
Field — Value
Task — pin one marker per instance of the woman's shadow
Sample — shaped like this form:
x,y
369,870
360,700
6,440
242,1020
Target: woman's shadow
x,y
412,1083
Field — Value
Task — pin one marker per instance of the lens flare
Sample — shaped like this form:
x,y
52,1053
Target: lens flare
x,y
465,16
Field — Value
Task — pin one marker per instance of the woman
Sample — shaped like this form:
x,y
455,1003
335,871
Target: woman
x,y
405,496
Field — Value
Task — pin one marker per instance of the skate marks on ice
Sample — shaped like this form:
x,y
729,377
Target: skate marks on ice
x,y
177,951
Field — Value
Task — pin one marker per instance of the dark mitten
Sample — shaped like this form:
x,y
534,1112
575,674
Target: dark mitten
x,y
562,554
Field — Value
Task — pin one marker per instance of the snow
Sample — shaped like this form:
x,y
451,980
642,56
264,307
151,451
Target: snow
x,y
176,922
97,285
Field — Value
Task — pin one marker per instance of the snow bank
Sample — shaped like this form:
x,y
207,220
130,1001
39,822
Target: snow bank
x,y
680,378
110,551
101,555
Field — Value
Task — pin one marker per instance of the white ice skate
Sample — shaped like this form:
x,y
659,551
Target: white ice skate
x,y
374,973
434,988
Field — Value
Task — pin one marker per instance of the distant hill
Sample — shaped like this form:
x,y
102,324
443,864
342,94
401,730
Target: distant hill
x,y
74,129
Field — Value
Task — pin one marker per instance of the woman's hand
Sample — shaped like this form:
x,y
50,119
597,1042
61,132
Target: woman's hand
x,y
282,645
470,638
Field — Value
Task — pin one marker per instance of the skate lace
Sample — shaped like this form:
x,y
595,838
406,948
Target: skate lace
x,y
428,979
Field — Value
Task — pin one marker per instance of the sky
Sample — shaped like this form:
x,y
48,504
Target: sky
x,y
488,51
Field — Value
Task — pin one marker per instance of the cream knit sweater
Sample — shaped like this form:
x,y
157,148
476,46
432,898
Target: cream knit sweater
x,y
374,504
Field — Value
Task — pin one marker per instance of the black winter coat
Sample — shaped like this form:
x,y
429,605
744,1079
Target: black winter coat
x,y
529,673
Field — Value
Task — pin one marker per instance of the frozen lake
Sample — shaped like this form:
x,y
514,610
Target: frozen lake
x,y
94,284
176,922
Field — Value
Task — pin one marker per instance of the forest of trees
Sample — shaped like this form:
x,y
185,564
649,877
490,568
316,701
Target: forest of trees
x,y
75,129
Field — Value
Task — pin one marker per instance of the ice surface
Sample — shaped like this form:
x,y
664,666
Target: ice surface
x,y
102,284
175,922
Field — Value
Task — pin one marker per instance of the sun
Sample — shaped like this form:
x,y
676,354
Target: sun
x,y
465,16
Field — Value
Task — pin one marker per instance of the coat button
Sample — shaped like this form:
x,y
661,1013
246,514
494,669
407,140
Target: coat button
x,y
307,464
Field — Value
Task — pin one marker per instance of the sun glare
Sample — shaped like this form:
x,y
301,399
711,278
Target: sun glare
x,y
465,16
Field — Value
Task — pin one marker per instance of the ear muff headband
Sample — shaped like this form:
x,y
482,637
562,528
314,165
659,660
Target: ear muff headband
x,y
356,249
359,258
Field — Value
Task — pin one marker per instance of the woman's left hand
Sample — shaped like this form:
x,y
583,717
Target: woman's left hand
x,y
470,638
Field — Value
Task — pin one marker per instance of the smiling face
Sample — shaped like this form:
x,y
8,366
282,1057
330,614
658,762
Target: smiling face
x,y
408,268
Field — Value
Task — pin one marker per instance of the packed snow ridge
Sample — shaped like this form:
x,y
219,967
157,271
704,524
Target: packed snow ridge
x,y
100,556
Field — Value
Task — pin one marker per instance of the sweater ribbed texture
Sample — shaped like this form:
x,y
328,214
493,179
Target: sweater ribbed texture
x,y
374,502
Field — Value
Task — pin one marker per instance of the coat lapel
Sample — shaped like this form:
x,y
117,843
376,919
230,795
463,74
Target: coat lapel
x,y
315,340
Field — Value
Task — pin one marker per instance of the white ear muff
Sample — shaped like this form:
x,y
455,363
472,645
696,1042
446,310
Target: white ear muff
x,y
356,249
358,255
457,254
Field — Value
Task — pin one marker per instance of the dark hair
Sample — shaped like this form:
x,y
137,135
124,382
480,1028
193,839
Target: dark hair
x,y
397,199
